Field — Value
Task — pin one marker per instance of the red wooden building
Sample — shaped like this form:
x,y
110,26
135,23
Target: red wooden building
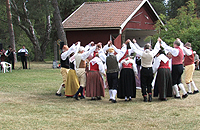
x,y
116,20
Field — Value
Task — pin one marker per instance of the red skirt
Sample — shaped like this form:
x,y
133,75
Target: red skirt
x,y
95,85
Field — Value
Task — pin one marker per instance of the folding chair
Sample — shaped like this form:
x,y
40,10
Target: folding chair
x,y
5,66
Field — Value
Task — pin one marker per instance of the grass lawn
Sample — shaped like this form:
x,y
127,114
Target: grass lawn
x,y
28,101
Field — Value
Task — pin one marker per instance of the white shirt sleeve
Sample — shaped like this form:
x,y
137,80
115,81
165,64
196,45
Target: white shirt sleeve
x,y
156,64
85,55
121,52
134,49
173,51
134,67
6,53
102,55
138,47
67,53
156,49
105,48
115,48
101,68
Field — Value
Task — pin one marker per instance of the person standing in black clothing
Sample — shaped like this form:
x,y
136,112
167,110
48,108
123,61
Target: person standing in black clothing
x,y
23,56
10,56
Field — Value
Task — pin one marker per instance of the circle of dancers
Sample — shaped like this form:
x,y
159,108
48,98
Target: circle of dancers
x,y
87,71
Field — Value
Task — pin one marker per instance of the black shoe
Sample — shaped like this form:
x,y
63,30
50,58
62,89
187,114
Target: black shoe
x,y
184,96
99,98
58,94
177,97
93,98
129,99
114,101
125,100
82,97
110,99
145,99
189,93
150,98
75,97
196,91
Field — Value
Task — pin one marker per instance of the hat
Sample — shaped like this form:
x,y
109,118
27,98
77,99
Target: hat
x,y
110,50
194,52
188,45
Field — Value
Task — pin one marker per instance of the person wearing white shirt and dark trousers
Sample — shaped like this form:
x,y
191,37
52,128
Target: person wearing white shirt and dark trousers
x,y
146,76
24,56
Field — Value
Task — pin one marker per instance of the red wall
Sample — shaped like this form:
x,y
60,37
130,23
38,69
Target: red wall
x,y
85,36
118,41
140,21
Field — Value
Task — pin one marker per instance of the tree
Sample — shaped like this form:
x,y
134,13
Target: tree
x,y
58,22
10,27
24,21
159,6
186,26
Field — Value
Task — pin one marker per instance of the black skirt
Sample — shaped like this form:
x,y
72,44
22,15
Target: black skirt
x,y
163,84
127,86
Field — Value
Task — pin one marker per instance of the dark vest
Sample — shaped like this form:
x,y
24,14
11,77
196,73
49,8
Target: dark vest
x,y
71,65
112,64
10,55
65,63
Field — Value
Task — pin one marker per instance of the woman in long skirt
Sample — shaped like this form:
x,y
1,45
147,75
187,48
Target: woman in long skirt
x,y
72,83
95,85
127,85
163,83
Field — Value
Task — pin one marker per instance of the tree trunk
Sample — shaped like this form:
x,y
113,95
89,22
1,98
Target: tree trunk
x,y
58,22
10,27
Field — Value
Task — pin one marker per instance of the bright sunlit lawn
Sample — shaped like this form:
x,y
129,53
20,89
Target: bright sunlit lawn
x,y
28,101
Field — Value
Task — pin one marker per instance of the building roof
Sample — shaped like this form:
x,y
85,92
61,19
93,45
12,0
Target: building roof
x,y
113,14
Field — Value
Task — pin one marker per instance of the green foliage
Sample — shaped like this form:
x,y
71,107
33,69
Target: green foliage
x,y
159,6
186,26
4,34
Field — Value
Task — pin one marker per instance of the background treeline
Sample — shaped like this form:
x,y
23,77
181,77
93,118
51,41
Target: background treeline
x,y
181,19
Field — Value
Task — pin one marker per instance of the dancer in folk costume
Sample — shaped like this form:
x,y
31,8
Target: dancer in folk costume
x,y
95,85
189,68
146,76
163,83
72,83
112,64
64,61
127,85
177,66
80,68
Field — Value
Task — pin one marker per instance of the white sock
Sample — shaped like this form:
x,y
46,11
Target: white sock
x,y
193,84
110,93
125,97
61,87
129,97
189,88
181,86
175,88
114,92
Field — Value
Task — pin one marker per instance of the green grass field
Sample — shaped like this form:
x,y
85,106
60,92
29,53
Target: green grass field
x,y
28,101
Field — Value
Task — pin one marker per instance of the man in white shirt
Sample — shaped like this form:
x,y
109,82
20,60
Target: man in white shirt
x,y
146,76
24,54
